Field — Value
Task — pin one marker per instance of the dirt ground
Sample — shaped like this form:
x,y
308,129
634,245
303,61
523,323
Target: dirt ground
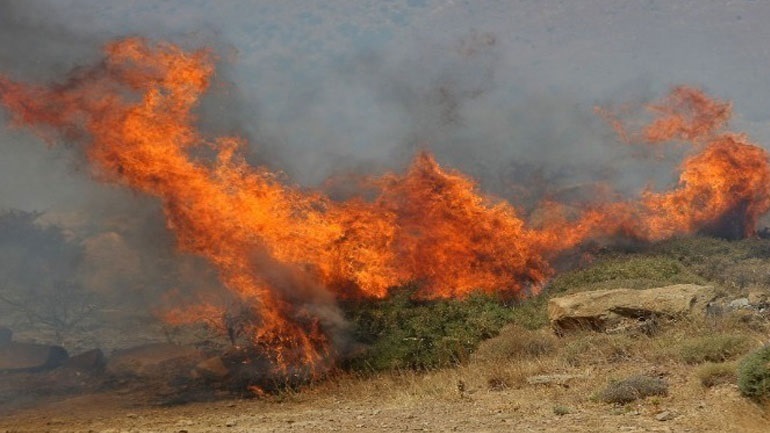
x,y
411,402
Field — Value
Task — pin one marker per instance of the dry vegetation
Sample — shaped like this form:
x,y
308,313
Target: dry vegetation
x,y
483,365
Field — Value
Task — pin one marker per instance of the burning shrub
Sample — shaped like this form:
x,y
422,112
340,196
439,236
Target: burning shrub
x,y
405,333
754,374
291,253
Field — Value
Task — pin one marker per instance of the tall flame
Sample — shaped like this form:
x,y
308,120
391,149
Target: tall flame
x,y
284,250
723,188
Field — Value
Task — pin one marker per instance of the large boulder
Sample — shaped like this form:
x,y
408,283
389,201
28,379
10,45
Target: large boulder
x,y
601,310
29,357
91,361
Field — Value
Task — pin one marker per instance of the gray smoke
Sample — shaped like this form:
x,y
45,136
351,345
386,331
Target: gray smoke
x,y
499,89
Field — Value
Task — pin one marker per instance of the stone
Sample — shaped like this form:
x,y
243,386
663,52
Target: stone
x,y
154,360
6,335
665,416
212,368
91,361
30,357
601,310
739,303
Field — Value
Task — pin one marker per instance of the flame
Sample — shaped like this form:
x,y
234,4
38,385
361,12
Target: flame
x,y
723,188
282,250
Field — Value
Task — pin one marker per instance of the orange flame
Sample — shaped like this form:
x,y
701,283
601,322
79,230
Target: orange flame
x,y
723,188
281,249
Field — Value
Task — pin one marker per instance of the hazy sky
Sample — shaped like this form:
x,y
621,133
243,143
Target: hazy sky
x,y
320,87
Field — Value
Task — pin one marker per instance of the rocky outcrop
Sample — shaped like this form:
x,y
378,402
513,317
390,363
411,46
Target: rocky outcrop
x,y
29,357
212,368
602,310
154,360
92,361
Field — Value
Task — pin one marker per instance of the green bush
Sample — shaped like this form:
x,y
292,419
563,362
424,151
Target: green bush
x,y
630,271
732,264
713,348
754,374
633,388
404,333
531,313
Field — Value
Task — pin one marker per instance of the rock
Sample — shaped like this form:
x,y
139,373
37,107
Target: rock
x,y
601,310
231,423
212,368
739,303
5,336
91,361
30,357
665,416
154,360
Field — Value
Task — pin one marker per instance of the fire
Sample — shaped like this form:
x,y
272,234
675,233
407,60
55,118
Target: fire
x,y
454,240
723,188
286,252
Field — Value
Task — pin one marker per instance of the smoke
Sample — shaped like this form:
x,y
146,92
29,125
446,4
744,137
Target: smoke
x,y
496,91
320,97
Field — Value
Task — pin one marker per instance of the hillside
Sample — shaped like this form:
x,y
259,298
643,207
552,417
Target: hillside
x,y
524,379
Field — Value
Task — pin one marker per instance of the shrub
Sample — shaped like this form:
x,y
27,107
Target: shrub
x,y
713,348
560,410
531,313
516,343
39,275
499,381
632,271
404,333
633,388
732,264
592,349
717,374
754,374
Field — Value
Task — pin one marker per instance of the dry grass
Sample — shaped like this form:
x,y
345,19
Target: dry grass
x,y
714,348
711,374
503,364
687,353
594,349
514,342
